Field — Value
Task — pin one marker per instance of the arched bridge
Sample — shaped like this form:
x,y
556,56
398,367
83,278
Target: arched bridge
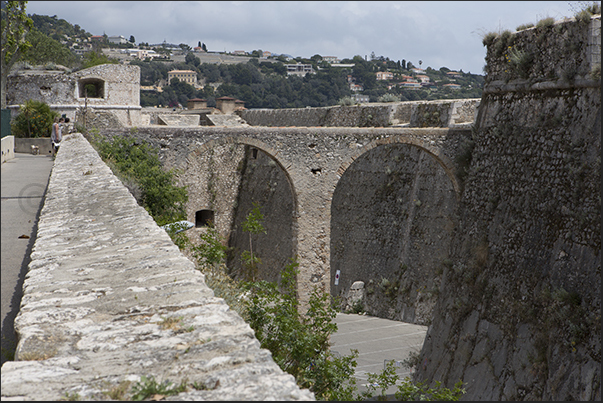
x,y
295,173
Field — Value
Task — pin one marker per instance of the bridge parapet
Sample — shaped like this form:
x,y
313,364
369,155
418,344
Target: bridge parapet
x,y
439,113
109,298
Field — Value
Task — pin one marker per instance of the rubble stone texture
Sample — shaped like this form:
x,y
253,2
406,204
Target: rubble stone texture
x,y
109,298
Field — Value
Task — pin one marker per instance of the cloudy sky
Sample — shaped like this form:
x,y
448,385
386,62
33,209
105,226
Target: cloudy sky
x,y
440,33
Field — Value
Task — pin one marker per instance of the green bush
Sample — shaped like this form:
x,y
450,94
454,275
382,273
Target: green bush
x,y
136,161
346,101
389,98
34,120
299,342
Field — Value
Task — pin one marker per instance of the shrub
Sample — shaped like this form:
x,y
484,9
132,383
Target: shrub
x,y
546,22
389,98
139,163
346,101
34,120
489,38
524,26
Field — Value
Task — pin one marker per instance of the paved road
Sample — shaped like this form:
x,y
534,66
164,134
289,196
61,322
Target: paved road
x,y
376,340
24,182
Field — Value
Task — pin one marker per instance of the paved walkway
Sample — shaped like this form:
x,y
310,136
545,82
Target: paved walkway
x,y
376,340
24,181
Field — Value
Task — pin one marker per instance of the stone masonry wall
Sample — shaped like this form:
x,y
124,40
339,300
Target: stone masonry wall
x,y
109,298
393,217
441,113
519,317
60,90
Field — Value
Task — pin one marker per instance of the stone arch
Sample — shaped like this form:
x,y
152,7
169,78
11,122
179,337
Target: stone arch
x,y
266,179
424,145
393,213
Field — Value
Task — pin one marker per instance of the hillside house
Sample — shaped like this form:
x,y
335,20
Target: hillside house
x,y
422,78
356,87
117,39
188,76
299,69
331,59
452,86
417,70
385,75
409,85
454,74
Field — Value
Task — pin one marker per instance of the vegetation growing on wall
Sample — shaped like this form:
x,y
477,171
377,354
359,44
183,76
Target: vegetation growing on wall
x,y
137,165
299,342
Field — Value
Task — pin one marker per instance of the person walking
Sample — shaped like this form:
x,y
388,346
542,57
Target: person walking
x,y
56,135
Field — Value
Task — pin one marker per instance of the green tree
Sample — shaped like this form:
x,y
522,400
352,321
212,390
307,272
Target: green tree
x,y
44,50
132,39
253,224
94,58
15,24
34,120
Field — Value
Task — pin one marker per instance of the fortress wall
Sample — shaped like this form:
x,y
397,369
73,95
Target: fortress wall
x,y
519,317
108,298
440,113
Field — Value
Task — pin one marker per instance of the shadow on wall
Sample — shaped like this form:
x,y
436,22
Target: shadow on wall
x,y
263,181
392,221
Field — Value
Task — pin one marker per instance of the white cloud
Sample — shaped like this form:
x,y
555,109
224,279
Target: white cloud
x,y
441,33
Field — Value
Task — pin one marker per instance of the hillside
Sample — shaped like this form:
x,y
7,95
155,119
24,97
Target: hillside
x,y
259,82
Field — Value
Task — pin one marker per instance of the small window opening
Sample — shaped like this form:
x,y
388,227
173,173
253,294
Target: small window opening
x,y
254,153
316,171
204,218
92,88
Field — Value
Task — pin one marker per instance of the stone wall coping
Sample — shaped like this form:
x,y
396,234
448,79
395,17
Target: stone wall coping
x,y
517,85
108,298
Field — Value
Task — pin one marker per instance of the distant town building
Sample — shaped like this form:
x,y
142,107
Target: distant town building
x,y
409,85
422,78
454,74
385,75
356,87
266,54
361,98
239,53
417,70
453,86
117,39
142,53
331,59
299,69
188,76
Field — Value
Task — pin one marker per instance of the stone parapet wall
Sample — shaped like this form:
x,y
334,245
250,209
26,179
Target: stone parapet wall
x,y
441,113
109,298
564,52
